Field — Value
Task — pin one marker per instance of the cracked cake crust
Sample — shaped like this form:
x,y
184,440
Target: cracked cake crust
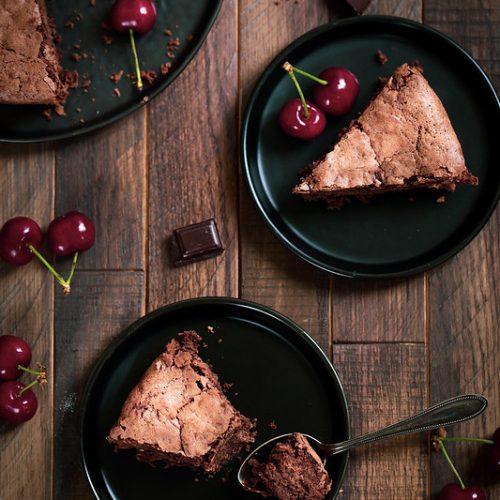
x,y
178,415
402,140
30,71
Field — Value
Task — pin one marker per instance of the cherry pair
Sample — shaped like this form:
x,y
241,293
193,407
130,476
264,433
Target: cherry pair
x,y
133,16
335,91
21,239
459,491
18,403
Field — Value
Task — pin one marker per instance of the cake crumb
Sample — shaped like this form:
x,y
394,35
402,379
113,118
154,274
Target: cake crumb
x,y
117,92
441,200
272,425
47,114
149,76
226,386
210,329
106,39
69,24
76,56
59,110
381,57
167,32
86,83
78,110
189,38
145,99
116,77
92,3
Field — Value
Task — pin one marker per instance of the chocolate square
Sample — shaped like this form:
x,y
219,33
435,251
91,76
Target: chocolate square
x,y
197,242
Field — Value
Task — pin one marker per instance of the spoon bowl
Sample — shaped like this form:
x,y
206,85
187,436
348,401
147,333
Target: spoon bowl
x,y
446,413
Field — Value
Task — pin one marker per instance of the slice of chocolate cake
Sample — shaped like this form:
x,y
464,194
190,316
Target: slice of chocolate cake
x,y
403,140
30,71
177,415
293,471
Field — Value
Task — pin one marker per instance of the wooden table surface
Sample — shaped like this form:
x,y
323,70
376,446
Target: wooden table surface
x,y
398,345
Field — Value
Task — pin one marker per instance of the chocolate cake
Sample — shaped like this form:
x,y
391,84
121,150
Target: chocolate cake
x,y
30,71
178,415
293,471
403,140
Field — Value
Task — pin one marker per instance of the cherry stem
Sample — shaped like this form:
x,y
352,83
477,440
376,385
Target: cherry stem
x,y
29,386
73,266
450,463
308,75
289,69
465,439
28,370
136,59
56,275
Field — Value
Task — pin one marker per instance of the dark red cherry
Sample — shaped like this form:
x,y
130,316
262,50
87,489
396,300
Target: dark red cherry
x,y
494,456
15,236
13,351
16,407
70,233
338,95
294,122
138,15
455,492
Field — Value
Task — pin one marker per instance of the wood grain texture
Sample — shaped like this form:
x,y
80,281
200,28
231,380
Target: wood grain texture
x,y
26,295
270,273
95,312
103,175
464,294
384,383
193,169
378,311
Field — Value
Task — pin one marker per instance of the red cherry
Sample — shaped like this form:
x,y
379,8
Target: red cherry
x,y
294,122
454,492
15,236
338,95
70,233
14,406
138,15
13,351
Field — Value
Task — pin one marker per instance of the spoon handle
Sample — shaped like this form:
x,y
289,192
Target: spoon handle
x,y
447,412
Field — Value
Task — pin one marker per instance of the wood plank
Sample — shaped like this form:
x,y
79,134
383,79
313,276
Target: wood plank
x,y
193,168
270,273
26,294
384,383
378,310
464,293
103,175
88,319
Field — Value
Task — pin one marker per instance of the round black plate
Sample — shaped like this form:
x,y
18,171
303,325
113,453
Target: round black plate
x,y
389,236
279,374
190,21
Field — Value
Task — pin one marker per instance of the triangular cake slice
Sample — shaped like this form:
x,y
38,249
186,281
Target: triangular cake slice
x,y
402,140
30,70
178,415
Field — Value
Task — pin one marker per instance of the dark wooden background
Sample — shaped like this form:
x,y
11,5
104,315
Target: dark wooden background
x,y
398,345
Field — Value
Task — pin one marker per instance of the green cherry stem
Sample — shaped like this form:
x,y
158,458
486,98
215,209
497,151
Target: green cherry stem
x,y
29,386
450,463
57,276
73,266
465,439
289,69
136,59
28,370
308,75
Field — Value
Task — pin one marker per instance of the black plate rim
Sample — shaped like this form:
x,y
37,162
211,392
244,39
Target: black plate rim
x,y
130,330
247,170
118,116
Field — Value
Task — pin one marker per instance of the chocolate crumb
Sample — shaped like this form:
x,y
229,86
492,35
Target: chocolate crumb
x,y
47,114
381,57
59,110
226,386
92,3
77,46
210,329
145,99
116,77
76,57
78,110
167,32
272,425
170,54
441,200
70,78
106,39
86,83
117,92
82,121
149,76
165,68
69,24
189,38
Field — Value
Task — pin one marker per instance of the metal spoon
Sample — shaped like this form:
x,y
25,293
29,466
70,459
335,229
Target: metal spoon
x,y
446,413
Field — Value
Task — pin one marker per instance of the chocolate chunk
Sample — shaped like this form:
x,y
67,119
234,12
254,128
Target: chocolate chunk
x,y
197,242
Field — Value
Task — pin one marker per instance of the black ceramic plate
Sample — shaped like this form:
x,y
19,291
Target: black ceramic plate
x,y
190,21
389,236
279,374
